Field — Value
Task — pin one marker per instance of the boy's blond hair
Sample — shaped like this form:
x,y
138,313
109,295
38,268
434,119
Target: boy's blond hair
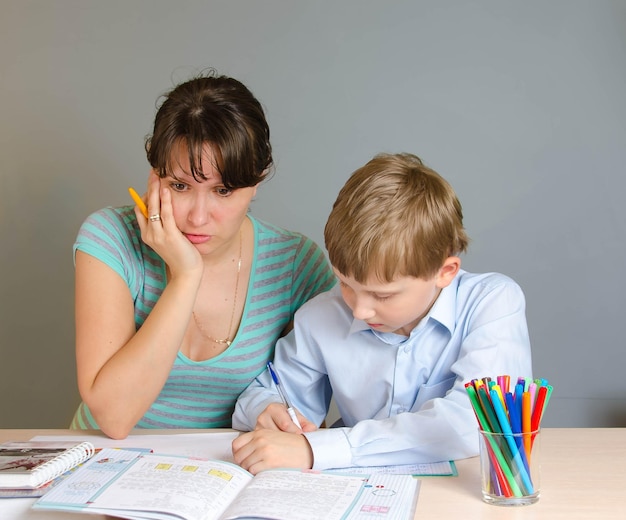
x,y
394,217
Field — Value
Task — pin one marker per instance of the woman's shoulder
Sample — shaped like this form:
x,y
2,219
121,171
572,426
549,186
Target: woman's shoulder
x,y
326,307
112,235
109,229
262,227
108,219
272,235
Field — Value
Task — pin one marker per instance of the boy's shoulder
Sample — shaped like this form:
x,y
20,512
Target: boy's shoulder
x,y
471,294
475,286
484,280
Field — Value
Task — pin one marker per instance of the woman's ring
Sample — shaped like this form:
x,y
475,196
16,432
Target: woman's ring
x,y
154,218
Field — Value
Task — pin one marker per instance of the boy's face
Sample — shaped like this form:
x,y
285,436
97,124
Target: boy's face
x,y
396,306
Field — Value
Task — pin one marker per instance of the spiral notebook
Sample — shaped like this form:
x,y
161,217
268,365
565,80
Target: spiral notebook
x,y
31,464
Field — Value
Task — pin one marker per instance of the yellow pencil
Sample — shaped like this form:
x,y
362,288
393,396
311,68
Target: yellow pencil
x,y
140,203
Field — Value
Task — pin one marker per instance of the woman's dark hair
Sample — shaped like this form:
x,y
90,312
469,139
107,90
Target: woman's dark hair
x,y
219,111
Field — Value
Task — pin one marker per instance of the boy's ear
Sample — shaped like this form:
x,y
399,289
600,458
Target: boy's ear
x,y
448,271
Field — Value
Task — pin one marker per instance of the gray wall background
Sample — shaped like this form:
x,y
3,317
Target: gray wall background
x,y
519,104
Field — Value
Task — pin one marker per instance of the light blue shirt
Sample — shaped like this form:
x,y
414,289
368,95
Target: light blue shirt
x,y
402,400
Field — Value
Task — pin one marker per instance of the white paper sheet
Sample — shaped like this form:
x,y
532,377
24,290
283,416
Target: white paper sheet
x,y
212,445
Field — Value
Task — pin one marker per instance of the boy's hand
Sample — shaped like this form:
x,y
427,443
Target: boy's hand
x,y
265,449
276,417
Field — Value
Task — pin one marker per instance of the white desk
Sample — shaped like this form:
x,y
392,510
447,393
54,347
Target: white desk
x,y
583,476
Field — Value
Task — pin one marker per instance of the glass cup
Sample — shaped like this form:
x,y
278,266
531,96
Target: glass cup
x,y
509,467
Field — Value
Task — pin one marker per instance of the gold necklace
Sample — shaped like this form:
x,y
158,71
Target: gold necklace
x,y
226,341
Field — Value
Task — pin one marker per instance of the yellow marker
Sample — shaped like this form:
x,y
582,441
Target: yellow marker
x,y
140,203
500,395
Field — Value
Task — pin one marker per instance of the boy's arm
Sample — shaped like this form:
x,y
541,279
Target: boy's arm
x,y
444,430
301,379
253,400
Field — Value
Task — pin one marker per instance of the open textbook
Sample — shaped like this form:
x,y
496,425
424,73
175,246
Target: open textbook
x,y
136,485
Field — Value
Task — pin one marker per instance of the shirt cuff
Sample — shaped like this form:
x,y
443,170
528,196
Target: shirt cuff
x,y
330,447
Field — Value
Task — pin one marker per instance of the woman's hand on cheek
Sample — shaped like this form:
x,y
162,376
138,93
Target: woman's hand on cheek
x,y
162,234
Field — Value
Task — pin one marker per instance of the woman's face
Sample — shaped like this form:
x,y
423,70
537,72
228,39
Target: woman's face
x,y
206,212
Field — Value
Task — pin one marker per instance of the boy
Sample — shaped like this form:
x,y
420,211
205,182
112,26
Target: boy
x,y
394,342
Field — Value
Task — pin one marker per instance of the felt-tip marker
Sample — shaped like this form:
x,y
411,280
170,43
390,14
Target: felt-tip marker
x,y
140,203
283,396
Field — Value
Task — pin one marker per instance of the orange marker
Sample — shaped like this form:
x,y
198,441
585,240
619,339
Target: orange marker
x,y
140,203
526,422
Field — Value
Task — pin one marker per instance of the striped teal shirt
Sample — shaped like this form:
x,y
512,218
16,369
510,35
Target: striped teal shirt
x,y
287,270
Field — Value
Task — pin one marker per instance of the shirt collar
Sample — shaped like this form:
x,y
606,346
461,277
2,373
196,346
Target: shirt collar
x,y
444,309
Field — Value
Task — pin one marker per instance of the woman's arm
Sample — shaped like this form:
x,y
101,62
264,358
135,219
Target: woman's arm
x,y
121,371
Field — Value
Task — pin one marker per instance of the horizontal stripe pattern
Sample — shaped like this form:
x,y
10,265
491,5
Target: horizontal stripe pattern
x,y
287,270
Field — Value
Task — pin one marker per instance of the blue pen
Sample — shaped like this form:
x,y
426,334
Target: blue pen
x,y
519,390
515,418
283,396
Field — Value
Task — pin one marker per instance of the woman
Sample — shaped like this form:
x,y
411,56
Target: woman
x,y
178,312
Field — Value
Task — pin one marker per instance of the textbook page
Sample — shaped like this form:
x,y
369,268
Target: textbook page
x,y
296,495
190,488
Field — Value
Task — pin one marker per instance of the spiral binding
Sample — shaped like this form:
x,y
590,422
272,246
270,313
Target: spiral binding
x,y
67,460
